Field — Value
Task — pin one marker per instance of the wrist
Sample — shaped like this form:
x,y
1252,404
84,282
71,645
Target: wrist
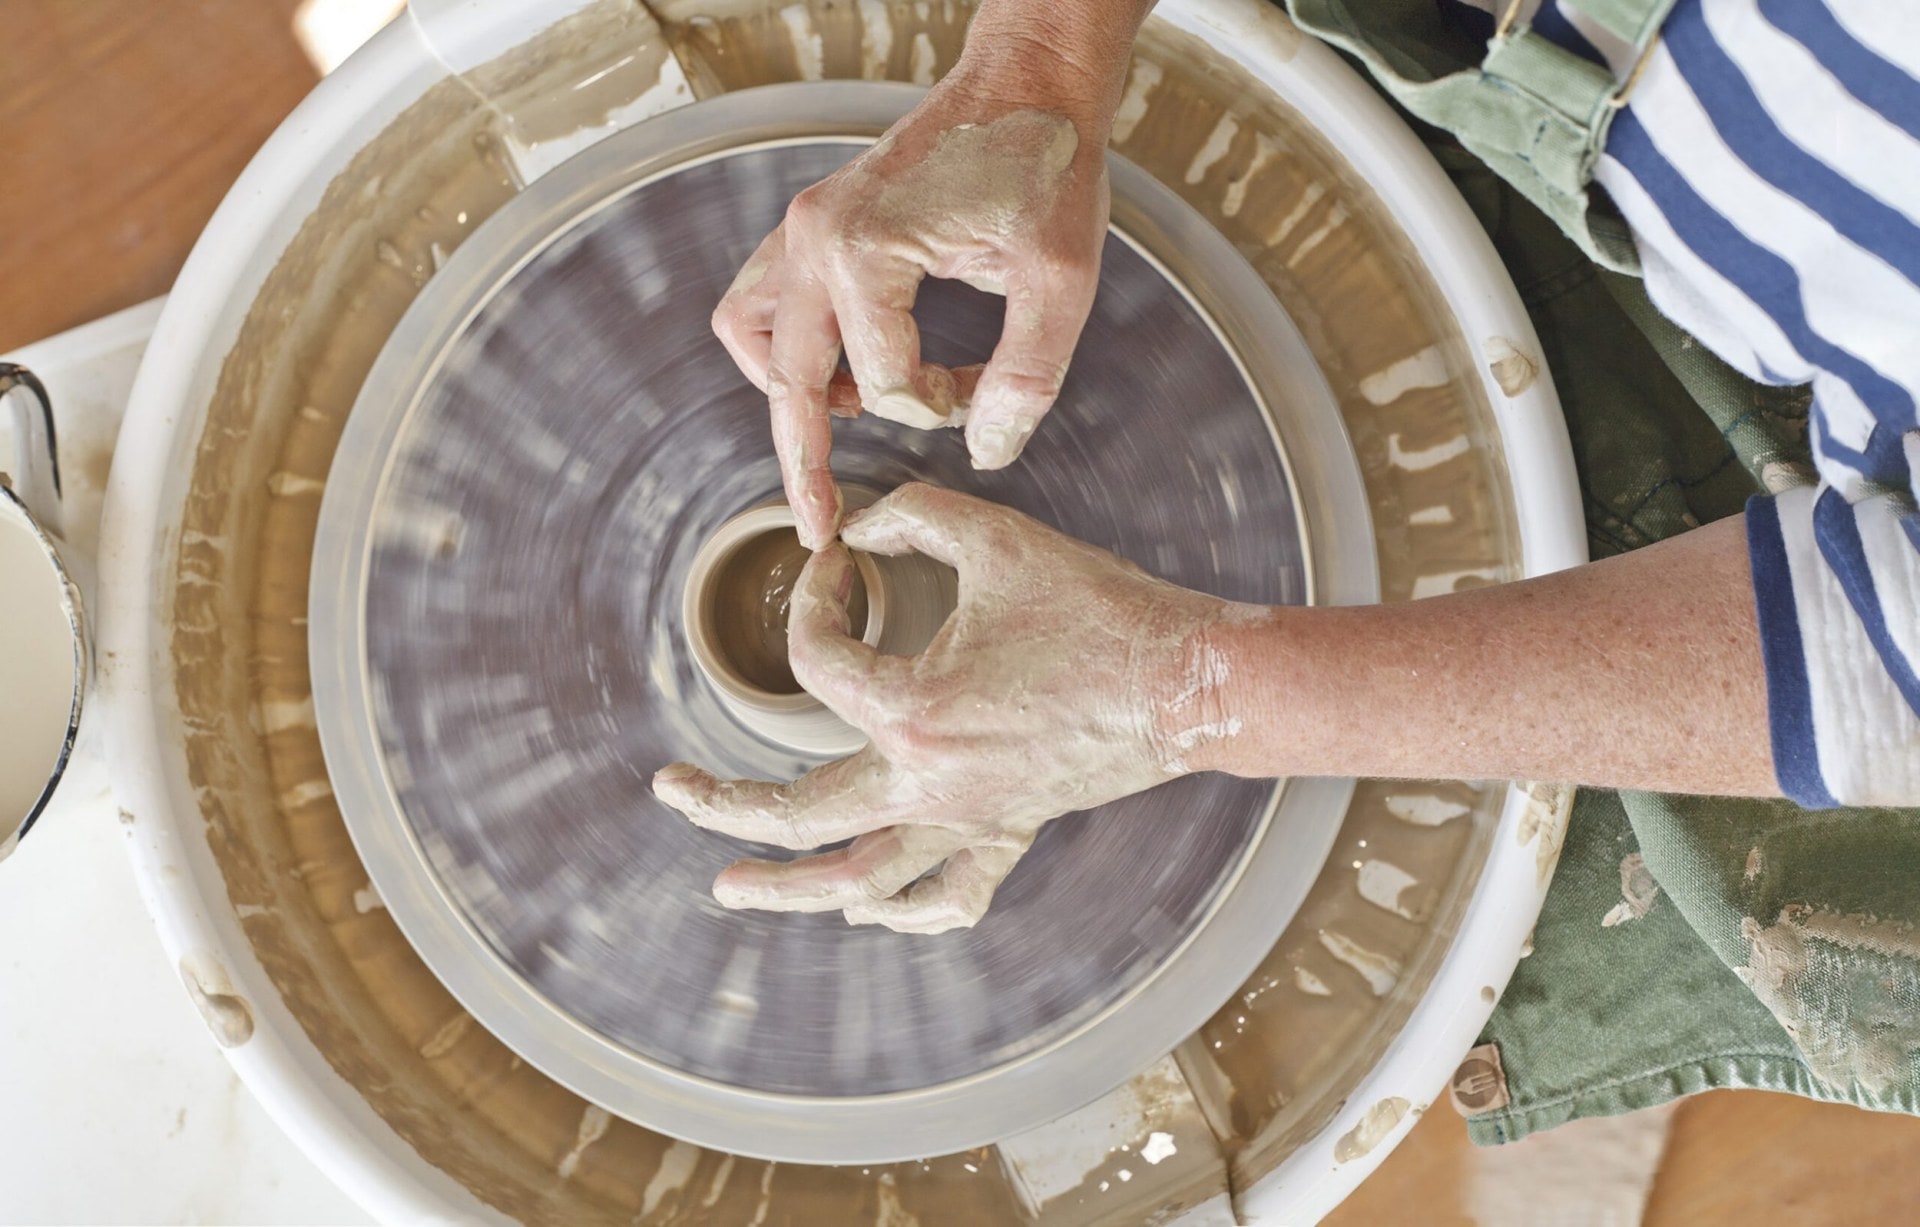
x,y
1275,688
1070,59
1207,714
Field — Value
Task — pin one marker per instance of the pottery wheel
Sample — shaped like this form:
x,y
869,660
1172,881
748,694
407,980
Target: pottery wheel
x,y
501,664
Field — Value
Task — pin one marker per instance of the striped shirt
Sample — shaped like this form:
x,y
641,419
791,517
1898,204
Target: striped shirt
x,y
1768,163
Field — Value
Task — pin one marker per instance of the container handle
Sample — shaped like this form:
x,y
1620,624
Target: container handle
x,y
36,478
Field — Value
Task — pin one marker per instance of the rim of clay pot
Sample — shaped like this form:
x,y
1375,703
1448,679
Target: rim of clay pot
x,y
796,718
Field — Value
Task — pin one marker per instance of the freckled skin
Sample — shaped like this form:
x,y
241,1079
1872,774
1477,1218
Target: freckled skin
x,y
1068,678
983,738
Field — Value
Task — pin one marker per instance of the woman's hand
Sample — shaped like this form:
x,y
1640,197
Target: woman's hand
x,y
1008,200
997,179
1066,678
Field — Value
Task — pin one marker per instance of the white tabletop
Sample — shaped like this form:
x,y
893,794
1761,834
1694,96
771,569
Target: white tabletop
x,y
116,1106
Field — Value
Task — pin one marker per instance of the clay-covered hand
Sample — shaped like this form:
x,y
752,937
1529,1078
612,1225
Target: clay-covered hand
x,y
1066,678
1008,198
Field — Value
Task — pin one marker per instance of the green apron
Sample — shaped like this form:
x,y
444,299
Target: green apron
x,y
1687,943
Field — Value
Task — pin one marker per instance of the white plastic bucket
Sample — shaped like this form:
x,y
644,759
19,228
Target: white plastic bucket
x,y
182,880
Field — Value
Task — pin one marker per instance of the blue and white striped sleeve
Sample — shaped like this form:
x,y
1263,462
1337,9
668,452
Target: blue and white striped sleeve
x,y
1837,589
1769,165
1768,162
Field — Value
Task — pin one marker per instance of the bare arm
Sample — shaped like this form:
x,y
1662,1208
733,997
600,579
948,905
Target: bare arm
x,y
1068,678
1642,671
1054,55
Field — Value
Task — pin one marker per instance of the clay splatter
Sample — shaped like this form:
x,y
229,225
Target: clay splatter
x,y
1511,369
1380,1121
1846,988
1381,972
1426,368
1638,891
1424,809
221,1007
594,1123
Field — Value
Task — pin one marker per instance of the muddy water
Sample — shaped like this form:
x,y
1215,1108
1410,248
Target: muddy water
x,y
1271,1067
746,608
36,669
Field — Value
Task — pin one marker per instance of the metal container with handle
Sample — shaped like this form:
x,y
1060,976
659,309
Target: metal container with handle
x,y
45,644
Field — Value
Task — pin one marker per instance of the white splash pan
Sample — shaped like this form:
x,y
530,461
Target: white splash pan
x,y
180,881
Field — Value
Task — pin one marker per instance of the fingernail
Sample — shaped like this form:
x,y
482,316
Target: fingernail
x,y
836,507
674,773
814,537
995,447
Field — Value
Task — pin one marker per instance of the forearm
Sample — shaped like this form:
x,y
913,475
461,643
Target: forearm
x,y
1642,671
1067,56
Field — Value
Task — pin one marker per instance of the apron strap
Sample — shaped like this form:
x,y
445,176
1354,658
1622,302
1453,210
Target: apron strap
x,y
1532,110
1633,22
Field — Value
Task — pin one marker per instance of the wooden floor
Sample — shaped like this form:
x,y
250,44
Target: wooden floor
x,y
1745,1158
123,124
